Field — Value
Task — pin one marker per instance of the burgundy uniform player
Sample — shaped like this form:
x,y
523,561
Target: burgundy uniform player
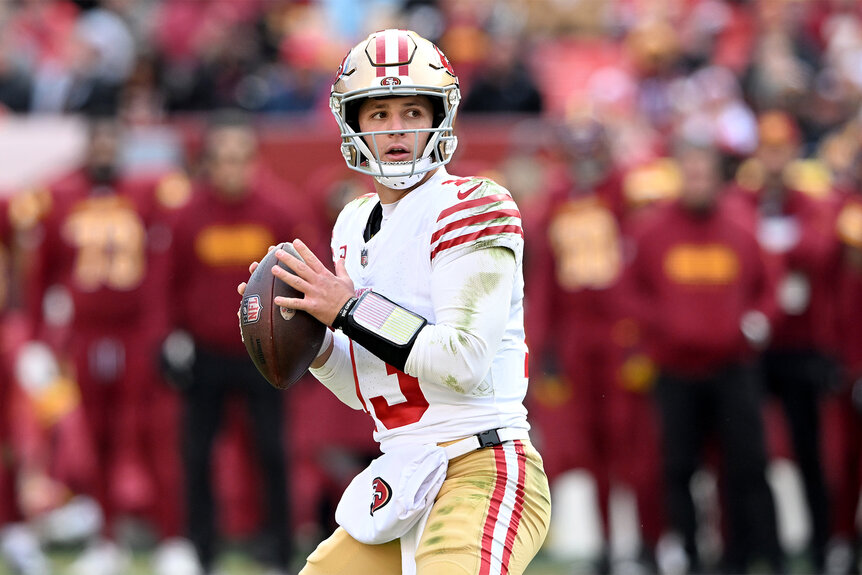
x,y
231,218
93,301
796,231
699,284
575,268
843,557
7,496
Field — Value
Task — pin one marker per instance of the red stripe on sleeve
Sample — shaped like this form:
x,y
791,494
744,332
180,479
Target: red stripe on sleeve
x,y
518,509
489,231
479,218
402,54
473,203
380,45
493,510
356,378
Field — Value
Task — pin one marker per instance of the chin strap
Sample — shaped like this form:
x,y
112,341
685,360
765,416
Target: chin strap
x,y
400,181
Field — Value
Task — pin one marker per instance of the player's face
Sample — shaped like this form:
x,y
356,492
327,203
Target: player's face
x,y
394,114
700,172
103,148
231,159
775,157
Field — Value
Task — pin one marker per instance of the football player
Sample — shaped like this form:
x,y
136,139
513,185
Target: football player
x,y
699,285
427,309
92,268
795,228
585,404
232,212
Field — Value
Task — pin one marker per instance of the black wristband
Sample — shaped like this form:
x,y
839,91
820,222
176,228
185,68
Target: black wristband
x,y
341,316
381,326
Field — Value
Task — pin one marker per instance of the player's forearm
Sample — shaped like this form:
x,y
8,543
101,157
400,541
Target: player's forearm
x,y
325,351
336,373
451,357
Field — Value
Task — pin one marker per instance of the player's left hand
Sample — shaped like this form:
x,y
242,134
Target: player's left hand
x,y
325,292
241,287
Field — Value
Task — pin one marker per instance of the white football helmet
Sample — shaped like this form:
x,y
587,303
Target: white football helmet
x,y
395,63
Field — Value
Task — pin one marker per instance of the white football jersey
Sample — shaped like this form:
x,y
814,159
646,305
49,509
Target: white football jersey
x,y
445,217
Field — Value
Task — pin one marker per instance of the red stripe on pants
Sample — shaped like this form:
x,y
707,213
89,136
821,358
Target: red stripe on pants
x,y
493,511
518,510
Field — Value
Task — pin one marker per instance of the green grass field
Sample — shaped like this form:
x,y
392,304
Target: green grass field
x,y
234,563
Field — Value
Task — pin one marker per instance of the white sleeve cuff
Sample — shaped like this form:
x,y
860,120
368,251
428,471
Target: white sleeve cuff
x,y
337,373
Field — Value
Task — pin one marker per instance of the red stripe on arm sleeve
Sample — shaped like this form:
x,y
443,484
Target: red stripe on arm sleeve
x,y
479,218
489,231
473,203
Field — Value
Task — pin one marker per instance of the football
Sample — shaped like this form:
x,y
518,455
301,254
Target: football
x,y
282,342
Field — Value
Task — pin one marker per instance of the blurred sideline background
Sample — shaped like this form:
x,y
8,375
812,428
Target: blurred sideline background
x,y
559,96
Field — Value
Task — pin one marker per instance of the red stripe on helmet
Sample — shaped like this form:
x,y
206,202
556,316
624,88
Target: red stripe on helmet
x,y
381,55
402,54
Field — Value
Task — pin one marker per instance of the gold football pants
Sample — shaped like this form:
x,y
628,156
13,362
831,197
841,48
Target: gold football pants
x,y
490,518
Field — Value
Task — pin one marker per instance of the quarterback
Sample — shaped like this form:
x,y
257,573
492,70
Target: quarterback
x,y
426,306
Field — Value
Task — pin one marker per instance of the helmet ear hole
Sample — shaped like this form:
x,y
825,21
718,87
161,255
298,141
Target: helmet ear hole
x,y
351,115
439,111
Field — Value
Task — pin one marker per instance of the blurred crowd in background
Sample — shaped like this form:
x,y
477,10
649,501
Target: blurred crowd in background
x,y
689,174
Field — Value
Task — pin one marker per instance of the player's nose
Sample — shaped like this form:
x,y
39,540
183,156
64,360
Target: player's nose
x,y
396,124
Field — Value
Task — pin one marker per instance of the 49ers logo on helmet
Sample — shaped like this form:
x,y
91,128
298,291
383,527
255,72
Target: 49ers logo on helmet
x,y
342,68
381,494
445,61
390,81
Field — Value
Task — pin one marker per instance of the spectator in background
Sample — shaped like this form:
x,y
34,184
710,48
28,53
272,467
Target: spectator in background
x,y
213,79
259,60
699,285
504,83
783,58
655,53
93,268
88,72
229,219
15,82
795,228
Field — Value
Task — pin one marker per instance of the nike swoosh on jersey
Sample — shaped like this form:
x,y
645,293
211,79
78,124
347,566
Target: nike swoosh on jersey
x,y
463,195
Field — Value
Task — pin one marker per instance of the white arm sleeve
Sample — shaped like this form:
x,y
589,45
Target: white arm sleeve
x,y
337,373
472,296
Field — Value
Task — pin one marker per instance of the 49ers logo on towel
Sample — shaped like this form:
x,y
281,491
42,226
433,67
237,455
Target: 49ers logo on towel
x,y
382,493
